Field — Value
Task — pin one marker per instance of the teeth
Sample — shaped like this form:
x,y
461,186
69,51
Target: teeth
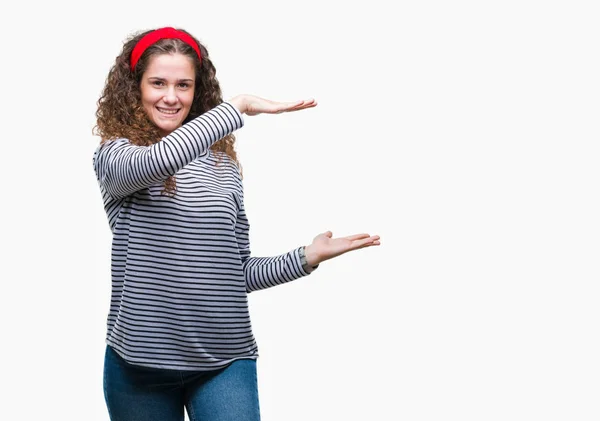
x,y
162,110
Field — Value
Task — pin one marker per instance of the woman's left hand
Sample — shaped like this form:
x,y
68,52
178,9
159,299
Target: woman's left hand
x,y
325,247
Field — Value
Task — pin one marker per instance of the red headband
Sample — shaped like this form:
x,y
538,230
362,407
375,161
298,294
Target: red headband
x,y
154,36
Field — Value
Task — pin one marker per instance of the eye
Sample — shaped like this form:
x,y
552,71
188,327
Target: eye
x,y
184,85
157,83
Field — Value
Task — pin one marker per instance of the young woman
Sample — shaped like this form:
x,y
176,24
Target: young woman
x,y
178,330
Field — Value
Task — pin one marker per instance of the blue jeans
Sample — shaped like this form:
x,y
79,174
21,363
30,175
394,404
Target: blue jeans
x,y
135,393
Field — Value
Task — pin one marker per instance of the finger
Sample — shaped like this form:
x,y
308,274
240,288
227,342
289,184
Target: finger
x,y
327,234
297,109
376,243
293,103
288,106
308,104
361,236
303,105
300,102
307,101
357,237
365,243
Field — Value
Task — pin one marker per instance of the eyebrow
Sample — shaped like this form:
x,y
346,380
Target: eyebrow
x,y
163,79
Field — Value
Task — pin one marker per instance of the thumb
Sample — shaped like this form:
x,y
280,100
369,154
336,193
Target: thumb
x,y
328,234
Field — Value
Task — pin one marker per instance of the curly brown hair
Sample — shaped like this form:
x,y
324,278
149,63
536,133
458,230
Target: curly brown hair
x,y
120,112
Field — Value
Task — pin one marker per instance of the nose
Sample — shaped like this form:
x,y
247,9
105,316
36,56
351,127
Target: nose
x,y
170,96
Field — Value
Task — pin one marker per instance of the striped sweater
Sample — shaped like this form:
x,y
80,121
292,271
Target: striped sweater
x,y
181,267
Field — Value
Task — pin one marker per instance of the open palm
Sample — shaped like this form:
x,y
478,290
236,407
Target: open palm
x,y
325,247
254,105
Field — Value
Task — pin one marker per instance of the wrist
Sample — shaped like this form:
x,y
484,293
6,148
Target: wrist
x,y
239,102
311,258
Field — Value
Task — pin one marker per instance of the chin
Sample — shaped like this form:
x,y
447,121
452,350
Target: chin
x,y
168,128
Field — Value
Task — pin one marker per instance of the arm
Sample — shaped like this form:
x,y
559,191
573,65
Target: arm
x,y
123,168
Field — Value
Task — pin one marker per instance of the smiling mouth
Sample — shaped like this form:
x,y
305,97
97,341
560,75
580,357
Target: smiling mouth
x,y
167,111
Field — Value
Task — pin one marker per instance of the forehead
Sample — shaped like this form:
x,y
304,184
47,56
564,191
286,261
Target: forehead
x,y
170,66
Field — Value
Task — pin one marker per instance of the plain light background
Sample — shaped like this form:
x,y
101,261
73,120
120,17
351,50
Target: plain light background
x,y
464,133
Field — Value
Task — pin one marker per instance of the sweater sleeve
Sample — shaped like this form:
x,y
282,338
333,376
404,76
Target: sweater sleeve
x,y
123,168
264,272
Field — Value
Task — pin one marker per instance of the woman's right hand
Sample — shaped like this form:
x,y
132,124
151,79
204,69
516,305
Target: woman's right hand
x,y
253,105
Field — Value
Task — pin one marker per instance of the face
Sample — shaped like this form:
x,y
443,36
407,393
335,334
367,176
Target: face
x,y
168,90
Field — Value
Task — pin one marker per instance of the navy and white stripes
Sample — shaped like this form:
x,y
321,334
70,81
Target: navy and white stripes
x,y
181,265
